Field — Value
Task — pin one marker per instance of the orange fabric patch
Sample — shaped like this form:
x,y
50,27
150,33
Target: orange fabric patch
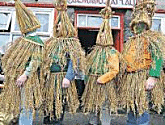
x,y
143,62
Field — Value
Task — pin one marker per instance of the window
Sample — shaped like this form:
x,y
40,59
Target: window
x,y
43,38
11,33
15,36
158,23
81,20
5,18
95,20
4,38
115,21
46,19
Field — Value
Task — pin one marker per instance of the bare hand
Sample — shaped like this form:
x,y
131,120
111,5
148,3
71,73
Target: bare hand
x,y
21,80
2,78
65,83
99,82
150,83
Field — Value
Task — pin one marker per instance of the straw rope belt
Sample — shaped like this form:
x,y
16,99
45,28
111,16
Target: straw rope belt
x,y
97,44
32,42
56,73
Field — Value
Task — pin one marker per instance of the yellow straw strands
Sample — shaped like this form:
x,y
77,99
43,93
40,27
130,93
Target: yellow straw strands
x,y
99,64
64,42
14,63
131,86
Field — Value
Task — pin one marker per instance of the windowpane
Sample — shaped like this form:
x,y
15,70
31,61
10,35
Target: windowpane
x,y
44,20
81,20
4,39
156,24
43,38
15,37
4,20
94,21
16,27
114,22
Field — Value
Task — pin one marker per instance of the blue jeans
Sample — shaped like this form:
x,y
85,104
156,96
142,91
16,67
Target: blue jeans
x,y
134,119
26,117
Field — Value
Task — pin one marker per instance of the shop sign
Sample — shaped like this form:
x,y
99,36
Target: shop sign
x,y
114,3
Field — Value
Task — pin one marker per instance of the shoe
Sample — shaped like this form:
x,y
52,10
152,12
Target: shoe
x,y
57,123
94,120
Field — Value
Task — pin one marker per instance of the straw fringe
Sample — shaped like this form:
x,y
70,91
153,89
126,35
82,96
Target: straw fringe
x,y
158,94
132,91
98,64
72,98
54,95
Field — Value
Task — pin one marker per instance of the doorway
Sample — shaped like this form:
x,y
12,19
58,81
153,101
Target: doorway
x,y
88,38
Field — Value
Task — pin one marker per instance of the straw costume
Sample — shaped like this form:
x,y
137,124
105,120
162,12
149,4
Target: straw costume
x,y
15,60
54,67
103,65
143,58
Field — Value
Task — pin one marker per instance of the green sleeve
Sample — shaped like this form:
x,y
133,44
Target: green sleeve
x,y
155,70
28,69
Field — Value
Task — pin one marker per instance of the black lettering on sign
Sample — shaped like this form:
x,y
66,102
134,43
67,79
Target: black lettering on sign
x,y
113,2
84,1
102,1
121,2
128,2
79,1
94,1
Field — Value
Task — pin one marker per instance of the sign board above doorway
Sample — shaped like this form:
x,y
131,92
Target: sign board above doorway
x,y
101,3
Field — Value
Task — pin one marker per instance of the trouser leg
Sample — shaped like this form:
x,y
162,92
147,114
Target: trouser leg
x,y
26,116
94,118
80,87
55,121
105,114
134,119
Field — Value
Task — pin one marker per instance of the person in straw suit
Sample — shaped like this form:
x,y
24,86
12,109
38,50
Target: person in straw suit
x,y
99,97
18,97
141,66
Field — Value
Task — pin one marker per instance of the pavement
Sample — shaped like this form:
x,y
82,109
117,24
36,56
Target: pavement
x,y
81,119
120,119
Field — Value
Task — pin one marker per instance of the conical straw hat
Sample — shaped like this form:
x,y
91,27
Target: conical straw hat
x,y
104,37
143,13
66,28
26,19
